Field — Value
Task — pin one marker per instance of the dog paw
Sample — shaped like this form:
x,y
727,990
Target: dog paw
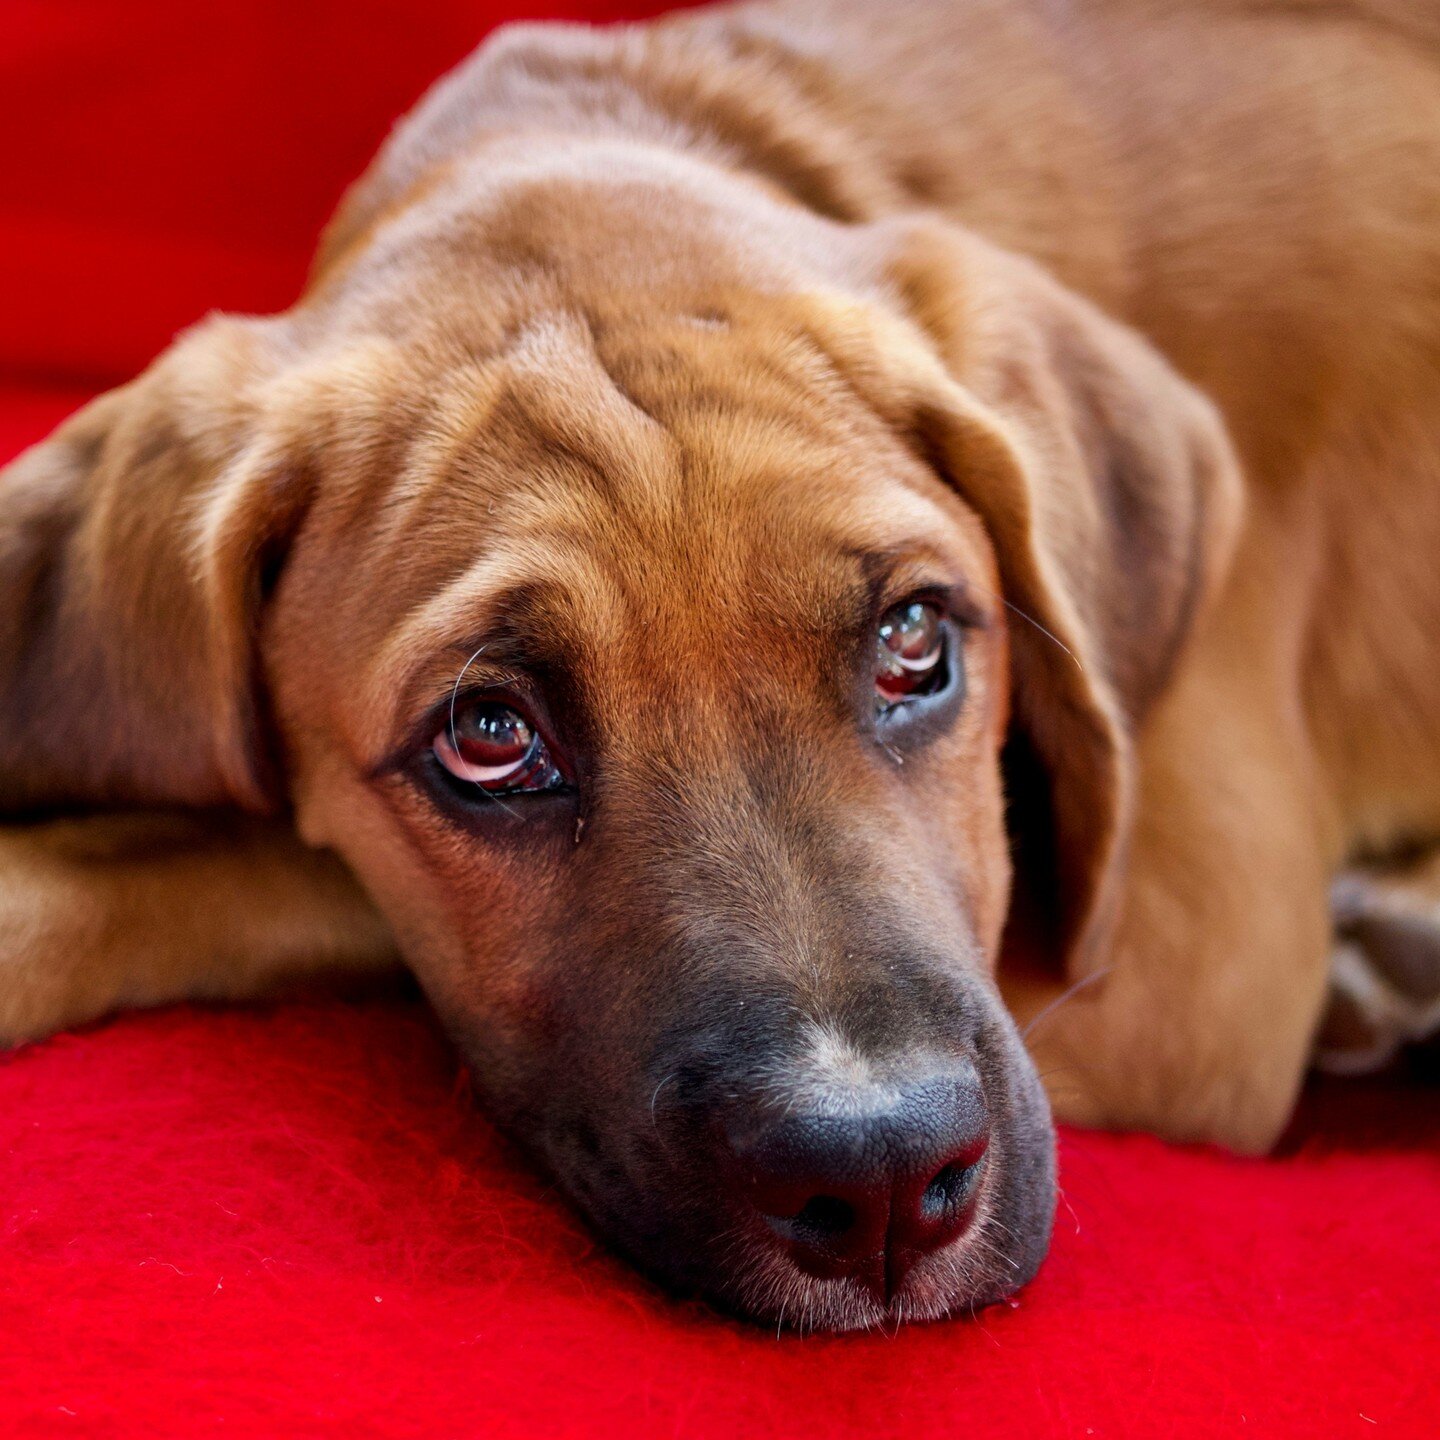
x,y
1384,975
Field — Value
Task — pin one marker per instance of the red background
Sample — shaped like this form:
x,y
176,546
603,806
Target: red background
x,y
287,1221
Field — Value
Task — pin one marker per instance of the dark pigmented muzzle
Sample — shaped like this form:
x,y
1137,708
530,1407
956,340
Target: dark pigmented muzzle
x,y
868,1185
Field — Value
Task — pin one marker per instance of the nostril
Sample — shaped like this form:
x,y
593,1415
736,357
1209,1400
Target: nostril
x,y
948,1190
827,1235
824,1217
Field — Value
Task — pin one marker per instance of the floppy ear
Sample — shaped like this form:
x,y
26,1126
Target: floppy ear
x,y
1112,496
133,546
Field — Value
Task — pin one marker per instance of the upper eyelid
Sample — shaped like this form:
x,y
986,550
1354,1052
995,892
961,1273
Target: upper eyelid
x,y
896,577
955,600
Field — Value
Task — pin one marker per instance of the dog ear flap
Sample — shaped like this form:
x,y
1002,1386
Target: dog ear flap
x,y
133,549
1112,495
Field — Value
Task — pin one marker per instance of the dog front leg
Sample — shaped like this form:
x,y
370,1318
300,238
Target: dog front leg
x,y
1201,1024
1385,967
122,911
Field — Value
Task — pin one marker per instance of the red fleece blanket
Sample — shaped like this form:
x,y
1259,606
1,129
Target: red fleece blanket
x,y
290,1222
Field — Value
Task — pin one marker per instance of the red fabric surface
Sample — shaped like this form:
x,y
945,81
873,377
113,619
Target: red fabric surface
x,y
161,158
274,1222
289,1221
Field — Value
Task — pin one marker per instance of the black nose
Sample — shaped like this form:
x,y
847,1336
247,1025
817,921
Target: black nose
x,y
867,1183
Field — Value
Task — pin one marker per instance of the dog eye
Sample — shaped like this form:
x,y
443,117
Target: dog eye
x,y
910,654
492,746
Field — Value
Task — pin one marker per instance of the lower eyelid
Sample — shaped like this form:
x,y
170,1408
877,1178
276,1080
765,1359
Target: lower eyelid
x,y
454,764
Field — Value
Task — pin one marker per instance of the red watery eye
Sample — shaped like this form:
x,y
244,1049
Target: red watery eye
x,y
491,745
909,653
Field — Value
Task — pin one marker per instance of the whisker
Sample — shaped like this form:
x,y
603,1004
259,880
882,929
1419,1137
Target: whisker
x,y
1062,1069
455,695
1048,634
654,1120
1065,1201
454,742
1031,620
1059,1000
994,1220
654,1097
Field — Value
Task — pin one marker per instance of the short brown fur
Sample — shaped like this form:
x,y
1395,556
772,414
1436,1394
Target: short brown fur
x,y
1122,315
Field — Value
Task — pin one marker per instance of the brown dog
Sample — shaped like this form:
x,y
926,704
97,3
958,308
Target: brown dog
x,y
721,490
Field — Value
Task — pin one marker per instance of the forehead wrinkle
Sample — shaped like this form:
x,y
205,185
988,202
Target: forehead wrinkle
x,y
401,448
419,651
817,502
466,455
459,407
434,469
543,390
575,408
765,343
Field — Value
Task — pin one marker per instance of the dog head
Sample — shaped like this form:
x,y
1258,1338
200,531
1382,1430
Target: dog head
x,y
652,590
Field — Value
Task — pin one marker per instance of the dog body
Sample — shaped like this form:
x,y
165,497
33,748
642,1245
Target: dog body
x,y
649,376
